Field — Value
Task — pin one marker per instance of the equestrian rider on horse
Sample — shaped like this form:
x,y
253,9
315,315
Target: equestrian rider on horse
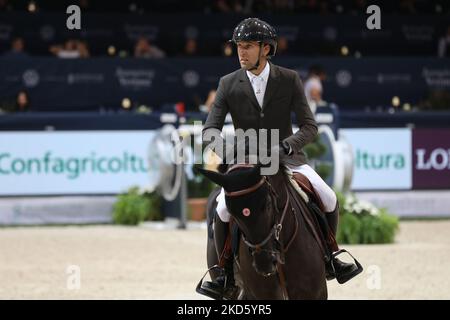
x,y
271,94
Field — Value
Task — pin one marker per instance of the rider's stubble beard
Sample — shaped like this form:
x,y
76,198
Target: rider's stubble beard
x,y
250,65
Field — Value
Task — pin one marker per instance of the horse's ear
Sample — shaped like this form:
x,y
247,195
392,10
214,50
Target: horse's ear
x,y
215,177
257,169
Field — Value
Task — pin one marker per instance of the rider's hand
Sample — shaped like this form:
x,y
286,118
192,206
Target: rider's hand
x,y
287,148
283,149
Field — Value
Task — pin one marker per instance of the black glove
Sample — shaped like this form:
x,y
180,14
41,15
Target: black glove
x,y
283,149
286,147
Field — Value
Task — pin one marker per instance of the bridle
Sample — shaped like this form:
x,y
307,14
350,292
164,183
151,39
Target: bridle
x,y
276,228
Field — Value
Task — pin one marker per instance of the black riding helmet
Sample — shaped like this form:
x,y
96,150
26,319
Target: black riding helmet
x,y
254,29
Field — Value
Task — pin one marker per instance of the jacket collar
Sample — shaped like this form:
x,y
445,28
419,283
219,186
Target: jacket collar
x,y
264,74
272,85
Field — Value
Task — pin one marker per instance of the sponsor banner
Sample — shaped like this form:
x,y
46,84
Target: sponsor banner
x,y
56,210
149,82
74,162
431,155
413,203
382,158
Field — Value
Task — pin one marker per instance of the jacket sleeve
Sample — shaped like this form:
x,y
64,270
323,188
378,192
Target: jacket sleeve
x,y
305,119
211,133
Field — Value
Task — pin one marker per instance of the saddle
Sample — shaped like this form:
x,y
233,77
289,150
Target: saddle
x,y
315,216
304,184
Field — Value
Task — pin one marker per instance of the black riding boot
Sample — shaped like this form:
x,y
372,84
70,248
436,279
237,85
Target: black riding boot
x,y
223,286
342,271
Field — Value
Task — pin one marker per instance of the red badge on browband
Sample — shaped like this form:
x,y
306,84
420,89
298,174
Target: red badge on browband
x,y
246,212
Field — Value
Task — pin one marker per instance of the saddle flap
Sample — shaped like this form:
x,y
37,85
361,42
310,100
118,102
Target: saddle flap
x,y
304,183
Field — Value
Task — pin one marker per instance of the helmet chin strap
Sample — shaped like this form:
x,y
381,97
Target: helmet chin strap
x,y
256,66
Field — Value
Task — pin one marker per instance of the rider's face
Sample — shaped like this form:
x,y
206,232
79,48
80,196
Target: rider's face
x,y
248,52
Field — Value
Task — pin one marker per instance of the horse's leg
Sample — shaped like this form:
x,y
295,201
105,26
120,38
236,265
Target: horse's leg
x,y
304,264
244,296
310,282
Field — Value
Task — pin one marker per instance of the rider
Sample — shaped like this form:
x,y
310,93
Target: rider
x,y
262,95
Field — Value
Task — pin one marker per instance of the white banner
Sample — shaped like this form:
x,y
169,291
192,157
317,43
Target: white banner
x,y
73,162
382,158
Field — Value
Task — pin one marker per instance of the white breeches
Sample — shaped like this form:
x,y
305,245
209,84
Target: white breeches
x,y
325,193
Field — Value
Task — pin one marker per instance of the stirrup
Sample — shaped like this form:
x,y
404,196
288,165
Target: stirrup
x,y
344,278
207,290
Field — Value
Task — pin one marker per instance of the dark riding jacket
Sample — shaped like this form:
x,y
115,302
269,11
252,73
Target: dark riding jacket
x,y
284,95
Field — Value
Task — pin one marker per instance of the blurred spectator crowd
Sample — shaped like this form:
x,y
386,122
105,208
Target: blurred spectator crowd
x,y
233,6
77,45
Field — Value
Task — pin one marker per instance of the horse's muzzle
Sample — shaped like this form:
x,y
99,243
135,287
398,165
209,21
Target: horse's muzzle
x,y
265,263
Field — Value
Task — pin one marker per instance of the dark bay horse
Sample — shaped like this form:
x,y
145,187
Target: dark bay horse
x,y
278,256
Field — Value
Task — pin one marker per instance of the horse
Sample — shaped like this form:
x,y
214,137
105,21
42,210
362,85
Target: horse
x,y
278,256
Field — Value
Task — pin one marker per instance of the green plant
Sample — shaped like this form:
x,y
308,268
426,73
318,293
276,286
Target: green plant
x,y
136,206
314,151
363,223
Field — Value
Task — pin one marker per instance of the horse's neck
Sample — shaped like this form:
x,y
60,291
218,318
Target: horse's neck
x,y
278,182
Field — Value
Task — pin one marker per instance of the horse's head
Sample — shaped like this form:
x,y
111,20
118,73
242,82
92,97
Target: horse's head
x,y
252,202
